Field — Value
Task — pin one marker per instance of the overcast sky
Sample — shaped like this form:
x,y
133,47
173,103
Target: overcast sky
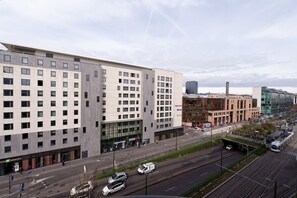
x,y
246,42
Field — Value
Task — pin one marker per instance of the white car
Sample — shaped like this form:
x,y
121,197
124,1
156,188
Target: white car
x,y
146,168
229,147
118,176
113,187
81,188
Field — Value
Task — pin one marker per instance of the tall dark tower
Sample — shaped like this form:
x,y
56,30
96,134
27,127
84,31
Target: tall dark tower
x,y
191,87
227,88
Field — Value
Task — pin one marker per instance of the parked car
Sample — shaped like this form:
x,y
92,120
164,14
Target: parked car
x,y
229,147
113,187
81,188
146,168
120,176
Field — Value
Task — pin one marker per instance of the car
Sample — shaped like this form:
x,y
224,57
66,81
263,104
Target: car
x,y
229,147
81,188
113,187
146,168
118,176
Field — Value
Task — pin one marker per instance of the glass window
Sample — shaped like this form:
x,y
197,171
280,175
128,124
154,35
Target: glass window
x,y
53,103
25,114
25,125
65,65
25,136
53,73
65,84
53,64
96,74
75,139
75,103
25,146
7,69
65,103
7,58
40,72
24,60
40,83
75,85
25,71
65,75
8,81
40,134
53,83
7,92
53,123
87,77
65,112
53,133
7,149
39,93
7,138
40,103
25,103
65,93
65,122
7,103
40,114
53,113
75,112
76,67
25,82
75,121
53,142
76,75
53,93
8,115
8,127
64,140
75,94
39,62
39,144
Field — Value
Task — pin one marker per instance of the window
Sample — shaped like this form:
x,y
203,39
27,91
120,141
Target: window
x,y
76,75
53,74
86,94
65,122
53,103
65,75
87,77
40,103
75,112
40,124
96,74
8,115
7,92
104,94
25,125
75,139
65,65
65,84
25,71
25,93
75,121
7,69
25,103
39,62
53,83
53,133
8,127
65,103
25,114
53,123
40,134
25,82
53,142
25,136
7,149
65,93
75,85
49,55
76,67
76,59
39,113
97,124
25,146
64,140
75,94
7,58
65,131
65,112
39,93
87,103
98,99
53,64
7,138
39,144
53,93
24,60
84,129
8,81
75,130
75,103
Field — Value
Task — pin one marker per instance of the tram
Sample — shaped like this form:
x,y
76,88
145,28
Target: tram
x,y
279,145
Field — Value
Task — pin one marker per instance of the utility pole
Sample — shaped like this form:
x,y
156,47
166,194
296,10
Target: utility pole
x,y
145,184
10,178
113,155
275,186
176,140
222,160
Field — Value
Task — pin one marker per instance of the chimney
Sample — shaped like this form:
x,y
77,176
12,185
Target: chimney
x,y
227,88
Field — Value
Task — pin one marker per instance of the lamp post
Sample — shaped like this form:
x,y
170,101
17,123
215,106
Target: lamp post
x,y
222,160
113,155
176,140
145,184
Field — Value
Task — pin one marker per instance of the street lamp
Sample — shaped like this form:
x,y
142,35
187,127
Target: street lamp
x,y
222,159
113,155
146,184
176,140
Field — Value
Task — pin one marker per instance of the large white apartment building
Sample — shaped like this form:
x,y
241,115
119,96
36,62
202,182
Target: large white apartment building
x,y
59,106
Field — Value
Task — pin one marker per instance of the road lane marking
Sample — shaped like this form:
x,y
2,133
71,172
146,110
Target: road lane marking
x,y
268,179
44,184
170,188
287,186
204,174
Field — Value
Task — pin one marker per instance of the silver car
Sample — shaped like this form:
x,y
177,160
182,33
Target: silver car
x,y
120,176
113,187
81,188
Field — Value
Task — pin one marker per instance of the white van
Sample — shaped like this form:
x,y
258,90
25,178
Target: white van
x,y
146,168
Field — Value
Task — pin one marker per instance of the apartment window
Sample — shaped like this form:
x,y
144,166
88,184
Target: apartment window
x,y
75,85
86,94
76,67
8,81
104,95
8,115
65,122
53,142
53,113
104,102
39,113
53,83
65,65
53,123
7,138
53,103
65,75
40,103
98,99
65,93
39,62
84,129
96,74
25,71
25,146
39,93
7,92
7,69
25,103
75,130
75,139
24,60
75,94
53,93
53,73
7,58
8,127
64,140
53,64
7,149
65,84
25,125
75,121
65,131
39,144
126,81
97,123
76,75
76,59
25,136
132,81
87,77
65,103
40,134
75,112
104,87
53,133
25,114
65,112
25,82
87,103
75,103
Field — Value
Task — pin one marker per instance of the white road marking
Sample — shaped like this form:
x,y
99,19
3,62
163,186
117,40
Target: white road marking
x,y
44,184
204,174
40,180
287,186
268,179
170,188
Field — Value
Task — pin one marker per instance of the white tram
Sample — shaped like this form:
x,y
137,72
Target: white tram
x,y
279,145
